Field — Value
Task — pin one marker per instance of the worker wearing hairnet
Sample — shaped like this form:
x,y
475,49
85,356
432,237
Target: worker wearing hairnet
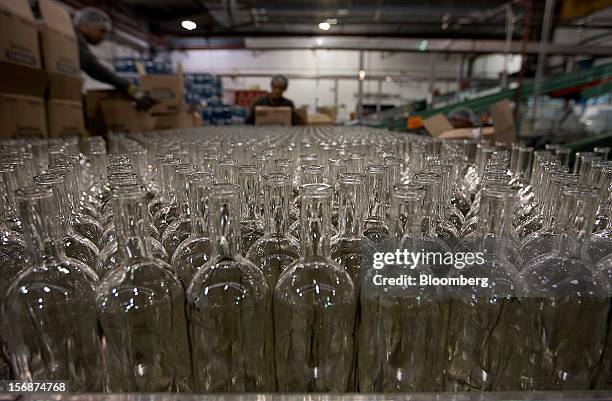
x,y
92,25
275,98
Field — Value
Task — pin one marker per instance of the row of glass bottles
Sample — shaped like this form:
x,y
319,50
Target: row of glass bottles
x,y
144,249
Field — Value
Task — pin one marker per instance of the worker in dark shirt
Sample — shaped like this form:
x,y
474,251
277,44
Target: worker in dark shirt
x,y
91,26
275,98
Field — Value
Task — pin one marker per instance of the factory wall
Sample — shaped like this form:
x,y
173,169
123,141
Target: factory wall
x,y
313,92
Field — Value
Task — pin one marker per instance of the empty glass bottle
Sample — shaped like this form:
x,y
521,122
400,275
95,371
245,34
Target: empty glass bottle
x,y
350,248
277,249
375,227
195,251
83,224
229,309
11,215
571,303
397,352
51,304
171,211
141,306
179,229
314,308
251,224
75,246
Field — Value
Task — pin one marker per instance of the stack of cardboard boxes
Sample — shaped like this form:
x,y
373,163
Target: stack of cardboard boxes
x,y
39,62
116,113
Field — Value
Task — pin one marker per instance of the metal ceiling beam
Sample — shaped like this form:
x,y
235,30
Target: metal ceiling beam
x,y
473,46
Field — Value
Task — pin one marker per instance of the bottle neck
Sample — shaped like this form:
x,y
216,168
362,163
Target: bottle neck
x,y
41,225
276,207
315,226
7,191
495,213
98,167
198,199
224,222
351,209
249,190
377,193
131,218
406,214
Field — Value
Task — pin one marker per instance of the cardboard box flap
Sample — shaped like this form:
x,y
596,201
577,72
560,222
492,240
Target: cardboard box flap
x,y
62,86
437,124
20,8
56,17
503,121
21,80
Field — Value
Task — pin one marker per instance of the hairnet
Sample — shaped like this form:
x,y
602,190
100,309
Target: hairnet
x,y
280,80
92,16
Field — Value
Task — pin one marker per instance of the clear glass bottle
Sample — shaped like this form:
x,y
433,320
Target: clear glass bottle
x,y
276,249
170,212
180,229
375,226
350,248
599,245
251,224
571,303
13,258
229,309
75,245
314,308
141,307
397,349
11,215
195,251
51,304
84,224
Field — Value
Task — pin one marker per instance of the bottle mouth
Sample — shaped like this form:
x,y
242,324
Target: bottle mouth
x,y
224,190
33,192
277,179
49,179
129,191
316,190
200,178
351,179
248,169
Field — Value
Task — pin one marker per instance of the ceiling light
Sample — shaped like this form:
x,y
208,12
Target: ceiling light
x,y
445,25
343,11
423,45
332,21
189,25
319,41
361,75
388,78
324,25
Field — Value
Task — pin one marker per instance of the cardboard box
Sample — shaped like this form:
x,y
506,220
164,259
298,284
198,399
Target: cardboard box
x,y
22,104
331,111
267,115
319,119
503,121
66,87
167,89
18,34
121,116
437,124
179,120
65,117
58,40
22,115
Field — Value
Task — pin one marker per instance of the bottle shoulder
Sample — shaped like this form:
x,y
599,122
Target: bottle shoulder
x,y
226,282
315,279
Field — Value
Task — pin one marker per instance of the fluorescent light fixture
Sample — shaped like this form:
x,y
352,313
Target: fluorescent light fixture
x,y
361,75
388,78
332,21
189,25
319,41
324,25
423,45
343,12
